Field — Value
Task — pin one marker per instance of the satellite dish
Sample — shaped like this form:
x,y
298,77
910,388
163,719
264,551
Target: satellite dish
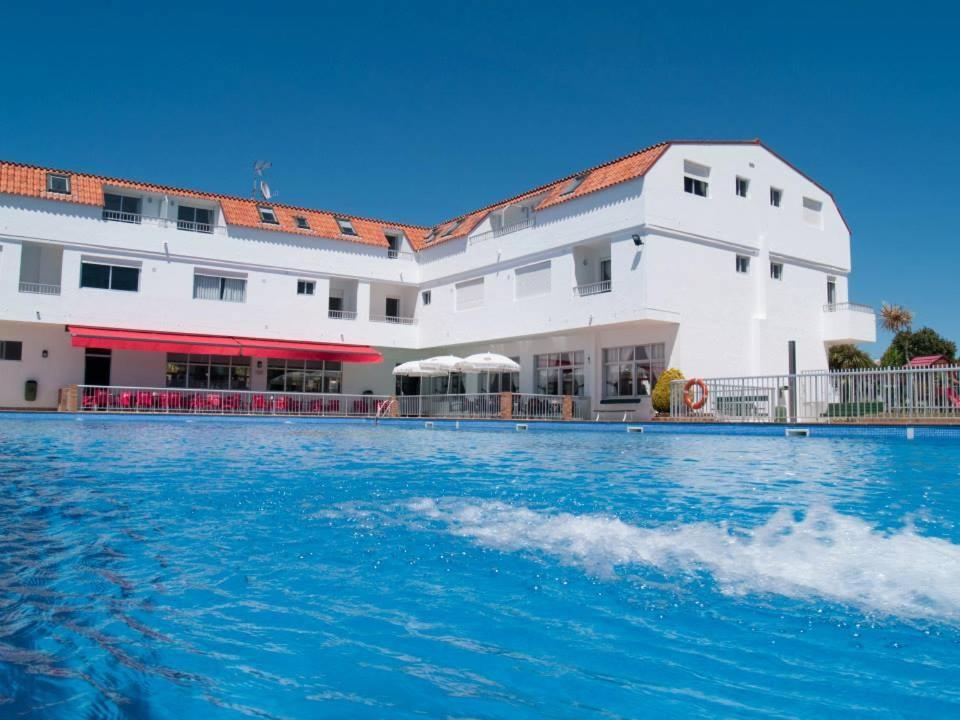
x,y
260,165
264,189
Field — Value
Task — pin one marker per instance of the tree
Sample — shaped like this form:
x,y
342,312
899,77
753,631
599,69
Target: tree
x,y
924,341
661,391
897,319
848,357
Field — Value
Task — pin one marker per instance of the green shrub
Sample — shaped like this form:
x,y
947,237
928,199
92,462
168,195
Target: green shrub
x,y
661,391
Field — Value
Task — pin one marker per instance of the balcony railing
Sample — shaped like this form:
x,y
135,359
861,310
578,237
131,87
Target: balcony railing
x,y
596,288
504,230
191,226
844,306
342,314
39,288
393,319
120,216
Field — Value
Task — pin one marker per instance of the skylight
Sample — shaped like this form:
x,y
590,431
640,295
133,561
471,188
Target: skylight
x,y
453,228
346,227
267,215
301,222
574,184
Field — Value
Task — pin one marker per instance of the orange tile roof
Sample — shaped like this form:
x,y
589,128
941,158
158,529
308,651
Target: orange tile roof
x,y
30,181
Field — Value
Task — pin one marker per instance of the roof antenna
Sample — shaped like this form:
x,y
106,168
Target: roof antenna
x,y
260,186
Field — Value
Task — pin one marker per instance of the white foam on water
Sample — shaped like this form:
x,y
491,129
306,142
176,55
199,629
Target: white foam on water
x,y
817,553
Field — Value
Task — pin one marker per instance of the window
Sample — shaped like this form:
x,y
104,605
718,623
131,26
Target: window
x,y
606,270
776,271
213,372
743,185
695,186
109,277
346,227
431,236
57,183
11,350
453,227
312,376
216,287
831,291
194,219
121,208
301,222
393,251
533,280
743,264
574,184
427,297
499,382
560,373
267,215
812,212
631,372
776,196
306,287
469,294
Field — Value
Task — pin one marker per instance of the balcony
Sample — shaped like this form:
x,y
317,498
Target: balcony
x,y
192,226
342,314
120,216
596,288
393,319
39,288
849,323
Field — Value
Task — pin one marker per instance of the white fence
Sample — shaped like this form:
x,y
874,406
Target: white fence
x,y
872,395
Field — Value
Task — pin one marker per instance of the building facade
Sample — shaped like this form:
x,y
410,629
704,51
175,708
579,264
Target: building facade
x,y
706,256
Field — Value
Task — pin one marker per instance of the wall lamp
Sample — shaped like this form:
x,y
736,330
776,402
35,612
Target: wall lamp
x,y
637,240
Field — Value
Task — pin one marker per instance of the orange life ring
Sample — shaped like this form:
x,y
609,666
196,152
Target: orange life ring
x,y
688,394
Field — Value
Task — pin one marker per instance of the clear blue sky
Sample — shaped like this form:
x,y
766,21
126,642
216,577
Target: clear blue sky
x,y
418,111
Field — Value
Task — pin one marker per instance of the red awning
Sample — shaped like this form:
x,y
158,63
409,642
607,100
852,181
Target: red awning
x,y
144,341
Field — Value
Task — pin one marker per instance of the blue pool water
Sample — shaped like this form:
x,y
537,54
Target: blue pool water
x,y
269,570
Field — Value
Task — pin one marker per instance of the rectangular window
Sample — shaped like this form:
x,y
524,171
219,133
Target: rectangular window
x,y
776,271
454,226
469,294
831,291
194,219
58,183
560,373
215,287
533,280
743,264
695,186
427,297
11,350
301,222
776,196
346,227
574,184
310,376
393,246
267,215
695,178
743,186
208,372
631,372
306,287
812,214
121,208
109,277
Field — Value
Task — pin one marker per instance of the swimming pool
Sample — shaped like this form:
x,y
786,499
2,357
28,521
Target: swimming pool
x,y
173,569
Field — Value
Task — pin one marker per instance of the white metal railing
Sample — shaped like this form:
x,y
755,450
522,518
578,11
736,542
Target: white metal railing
x,y
871,395
39,288
342,314
393,319
522,406
399,254
595,288
191,226
120,216
504,230
855,307
91,398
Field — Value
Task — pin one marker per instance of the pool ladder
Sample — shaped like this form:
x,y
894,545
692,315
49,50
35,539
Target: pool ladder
x,y
382,409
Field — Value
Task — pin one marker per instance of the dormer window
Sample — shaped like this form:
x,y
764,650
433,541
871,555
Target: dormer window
x,y
58,183
267,215
301,222
393,251
346,227
453,228
574,184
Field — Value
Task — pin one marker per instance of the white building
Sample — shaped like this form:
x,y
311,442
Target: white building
x,y
706,256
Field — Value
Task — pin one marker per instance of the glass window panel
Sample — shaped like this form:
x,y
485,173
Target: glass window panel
x,y
626,354
295,380
176,358
542,360
275,378
313,381
579,386
331,382
641,352
333,365
240,377
625,388
202,215
578,357
94,276
565,359
219,377
176,374
566,382
125,278
611,377
313,364
112,202
199,376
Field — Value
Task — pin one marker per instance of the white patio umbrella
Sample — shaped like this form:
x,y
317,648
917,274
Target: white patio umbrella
x,y
488,362
414,368
441,363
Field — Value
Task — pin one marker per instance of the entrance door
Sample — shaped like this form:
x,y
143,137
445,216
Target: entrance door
x,y
96,367
392,309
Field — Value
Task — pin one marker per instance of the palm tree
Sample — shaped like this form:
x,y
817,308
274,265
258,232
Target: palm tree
x,y
896,319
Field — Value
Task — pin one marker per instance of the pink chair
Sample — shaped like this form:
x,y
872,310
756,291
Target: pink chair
x,y
281,404
125,400
144,399
333,406
259,403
